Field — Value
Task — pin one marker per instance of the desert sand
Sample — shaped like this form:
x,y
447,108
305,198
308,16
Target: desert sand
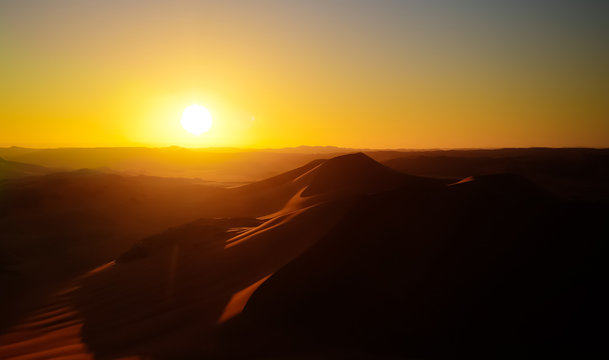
x,y
339,258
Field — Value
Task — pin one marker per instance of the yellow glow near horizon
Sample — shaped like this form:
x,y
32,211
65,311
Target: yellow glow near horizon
x,y
196,119
372,75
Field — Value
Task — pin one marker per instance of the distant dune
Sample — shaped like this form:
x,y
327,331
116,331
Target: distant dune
x,y
219,165
231,167
337,258
571,173
12,170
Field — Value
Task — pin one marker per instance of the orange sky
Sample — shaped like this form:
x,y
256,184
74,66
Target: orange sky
x,y
375,74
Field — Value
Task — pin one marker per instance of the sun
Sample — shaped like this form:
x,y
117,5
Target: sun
x,y
196,119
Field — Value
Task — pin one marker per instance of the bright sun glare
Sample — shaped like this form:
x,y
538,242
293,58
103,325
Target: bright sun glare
x,y
196,119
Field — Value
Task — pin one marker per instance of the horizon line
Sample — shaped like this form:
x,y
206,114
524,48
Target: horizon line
x,y
328,147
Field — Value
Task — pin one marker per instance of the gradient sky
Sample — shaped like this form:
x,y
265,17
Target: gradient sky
x,y
377,74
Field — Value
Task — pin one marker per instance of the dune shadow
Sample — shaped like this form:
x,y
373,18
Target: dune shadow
x,y
484,269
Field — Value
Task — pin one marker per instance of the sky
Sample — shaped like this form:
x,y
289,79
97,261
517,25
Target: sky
x,y
366,74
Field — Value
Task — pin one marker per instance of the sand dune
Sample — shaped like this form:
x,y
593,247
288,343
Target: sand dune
x,y
342,258
218,165
480,269
576,174
244,249
201,273
12,170
51,332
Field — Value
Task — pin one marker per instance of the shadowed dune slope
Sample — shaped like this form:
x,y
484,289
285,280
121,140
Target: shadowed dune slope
x,y
488,268
57,226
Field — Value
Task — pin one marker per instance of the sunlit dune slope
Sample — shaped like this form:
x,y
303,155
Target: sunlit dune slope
x,y
53,331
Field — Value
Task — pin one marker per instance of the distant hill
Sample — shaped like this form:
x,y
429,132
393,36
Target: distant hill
x,y
220,165
571,173
236,166
12,169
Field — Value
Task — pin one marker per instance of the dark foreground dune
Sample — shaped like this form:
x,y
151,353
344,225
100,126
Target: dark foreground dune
x,y
342,258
